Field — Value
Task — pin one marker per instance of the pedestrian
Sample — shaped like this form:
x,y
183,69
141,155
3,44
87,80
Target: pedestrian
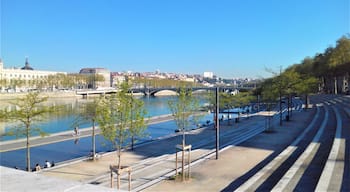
x,y
76,131
47,164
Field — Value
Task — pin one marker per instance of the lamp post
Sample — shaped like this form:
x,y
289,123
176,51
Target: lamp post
x,y
217,123
280,94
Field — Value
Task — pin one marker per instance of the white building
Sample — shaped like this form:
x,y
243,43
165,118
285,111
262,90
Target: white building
x,y
25,74
208,75
117,78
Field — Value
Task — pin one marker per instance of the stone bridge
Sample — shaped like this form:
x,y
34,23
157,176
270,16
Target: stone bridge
x,y
153,91
149,91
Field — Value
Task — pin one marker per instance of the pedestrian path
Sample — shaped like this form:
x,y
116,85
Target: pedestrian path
x,y
154,162
64,136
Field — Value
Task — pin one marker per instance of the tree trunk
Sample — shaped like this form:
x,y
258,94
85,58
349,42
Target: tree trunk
x,y
345,83
280,108
335,86
306,102
291,105
288,106
228,116
132,142
93,140
183,157
119,156
28,149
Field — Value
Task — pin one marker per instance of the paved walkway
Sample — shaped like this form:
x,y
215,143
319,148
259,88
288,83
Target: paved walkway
x,y
64,136
233,163
236,162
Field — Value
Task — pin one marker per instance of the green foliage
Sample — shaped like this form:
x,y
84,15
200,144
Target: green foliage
x,y
340,56
242,99
120,118
87,113
148,82
227,100
305,77
137,125
185,110
270,89
29,110
307,85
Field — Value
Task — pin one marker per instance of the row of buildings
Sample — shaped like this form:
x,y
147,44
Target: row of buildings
x,y
9,76
24,73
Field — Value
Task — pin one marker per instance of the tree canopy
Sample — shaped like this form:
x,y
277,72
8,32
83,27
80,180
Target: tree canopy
x,y
29,110
118,120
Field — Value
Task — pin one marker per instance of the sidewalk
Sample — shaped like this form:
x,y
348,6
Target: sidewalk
x,y
210,175
236,163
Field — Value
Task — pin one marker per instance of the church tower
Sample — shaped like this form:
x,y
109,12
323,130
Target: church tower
x,y
26,66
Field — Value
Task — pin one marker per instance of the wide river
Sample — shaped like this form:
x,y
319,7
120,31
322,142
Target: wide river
x,y
67,150
64,121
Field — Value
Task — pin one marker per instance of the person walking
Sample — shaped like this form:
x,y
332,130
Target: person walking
x,y
76,131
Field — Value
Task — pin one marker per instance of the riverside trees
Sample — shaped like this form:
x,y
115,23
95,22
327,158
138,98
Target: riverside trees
x,y
29,110
330,67
322,73
88,113
286,83
119,122
185,112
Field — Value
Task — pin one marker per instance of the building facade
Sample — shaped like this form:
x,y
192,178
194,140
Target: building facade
x,y
208,75
95,74
16,78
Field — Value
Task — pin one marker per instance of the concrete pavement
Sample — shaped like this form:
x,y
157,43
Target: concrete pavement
x,y
236,163
208,174
233,163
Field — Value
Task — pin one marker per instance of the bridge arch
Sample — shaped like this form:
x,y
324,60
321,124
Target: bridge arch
x,y
164,92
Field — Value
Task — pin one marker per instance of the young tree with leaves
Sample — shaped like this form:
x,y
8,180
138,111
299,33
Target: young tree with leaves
x,y
88,113
185,112
29,110
114,116
137,125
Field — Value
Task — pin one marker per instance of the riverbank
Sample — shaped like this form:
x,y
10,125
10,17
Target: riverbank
x,y
70,94
56,94
153,161
11,145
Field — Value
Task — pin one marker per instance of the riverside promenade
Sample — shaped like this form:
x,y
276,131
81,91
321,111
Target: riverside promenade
x,y
64,136
249,156
155,161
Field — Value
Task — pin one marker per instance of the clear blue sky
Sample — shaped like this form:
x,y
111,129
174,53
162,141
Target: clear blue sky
x,y
232,38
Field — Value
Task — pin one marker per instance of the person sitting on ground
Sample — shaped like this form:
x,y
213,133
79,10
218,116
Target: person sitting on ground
x,y
91,155
37,167
52,163
47,164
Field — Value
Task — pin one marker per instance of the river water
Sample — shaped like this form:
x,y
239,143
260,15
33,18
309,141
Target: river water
x,y
67,150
